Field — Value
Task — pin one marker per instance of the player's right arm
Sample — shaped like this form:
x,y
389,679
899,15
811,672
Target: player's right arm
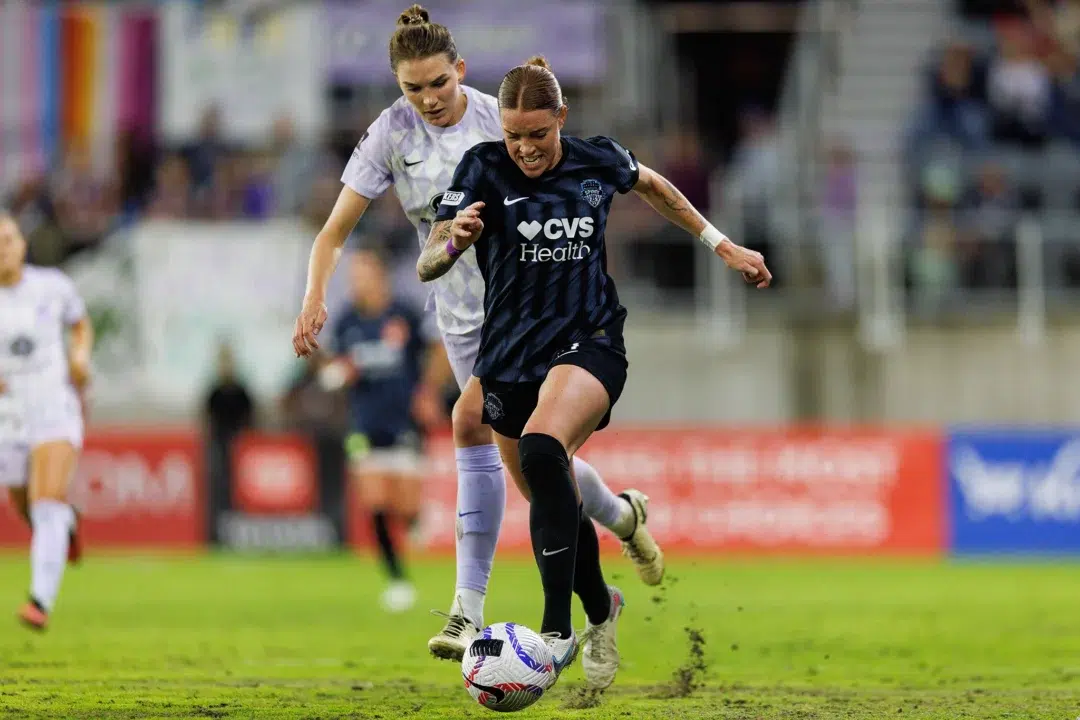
x,y
366,177
455,230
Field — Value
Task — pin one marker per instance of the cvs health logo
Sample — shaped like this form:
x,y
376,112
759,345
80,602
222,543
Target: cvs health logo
x,y
558,228
1015,492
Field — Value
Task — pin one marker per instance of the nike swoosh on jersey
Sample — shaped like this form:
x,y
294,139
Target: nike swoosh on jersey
x,y
410,164
508,201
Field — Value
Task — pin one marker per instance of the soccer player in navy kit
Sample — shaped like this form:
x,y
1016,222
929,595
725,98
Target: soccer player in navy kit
x,y
381,343
552,362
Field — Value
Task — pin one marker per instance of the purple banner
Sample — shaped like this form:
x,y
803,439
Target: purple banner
x,y
492,35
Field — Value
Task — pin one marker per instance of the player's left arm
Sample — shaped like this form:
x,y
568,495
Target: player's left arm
x,y
666,199
80,334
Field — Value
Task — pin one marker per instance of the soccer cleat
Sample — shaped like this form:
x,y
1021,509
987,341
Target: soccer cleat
x,y
563,650
639,546
33,616
74,542
455,636
399,597
599,654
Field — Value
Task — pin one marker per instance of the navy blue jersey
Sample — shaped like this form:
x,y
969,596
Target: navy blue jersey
x,y
542,252
388,350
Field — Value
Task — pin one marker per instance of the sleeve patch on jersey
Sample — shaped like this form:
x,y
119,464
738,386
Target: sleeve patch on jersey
x,y
453,198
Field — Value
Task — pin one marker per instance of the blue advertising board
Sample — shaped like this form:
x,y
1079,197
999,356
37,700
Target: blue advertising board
x,y
1013,490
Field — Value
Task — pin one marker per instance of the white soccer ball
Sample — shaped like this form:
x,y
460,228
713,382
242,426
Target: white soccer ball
x,y
507,667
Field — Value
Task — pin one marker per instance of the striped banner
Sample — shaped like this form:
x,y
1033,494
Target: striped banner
x,y
71,76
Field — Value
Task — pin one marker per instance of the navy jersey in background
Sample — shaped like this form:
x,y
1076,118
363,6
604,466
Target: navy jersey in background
x,y
542,252
388,350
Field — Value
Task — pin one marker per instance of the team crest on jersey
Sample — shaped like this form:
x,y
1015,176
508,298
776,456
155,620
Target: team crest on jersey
x,y
435,202
592,192
493,406
395,332
22,346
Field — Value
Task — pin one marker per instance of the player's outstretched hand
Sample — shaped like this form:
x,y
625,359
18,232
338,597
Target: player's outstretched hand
x,y
467,226
308,325
748,262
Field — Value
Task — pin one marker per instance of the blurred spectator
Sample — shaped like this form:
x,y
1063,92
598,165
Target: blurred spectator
x,y
837,236
955,109
756,167
685,166
990,222
258,187
1018,87
223,197
228,407
205,152
1065,71
1061,23
171,196
933,258
87,202
294,168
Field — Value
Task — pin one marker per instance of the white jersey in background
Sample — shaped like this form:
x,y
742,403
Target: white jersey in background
x,y
419,160
39,404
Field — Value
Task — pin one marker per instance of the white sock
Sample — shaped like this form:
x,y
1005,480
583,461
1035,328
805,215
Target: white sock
x,y
469,603
602,505
51,521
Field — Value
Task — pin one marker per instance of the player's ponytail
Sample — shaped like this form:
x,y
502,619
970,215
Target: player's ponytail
x,y
417,38
532,86
540,61
415,15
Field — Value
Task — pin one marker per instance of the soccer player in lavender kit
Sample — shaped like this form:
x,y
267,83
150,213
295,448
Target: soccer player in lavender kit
x,y
41,425
415,145
552,363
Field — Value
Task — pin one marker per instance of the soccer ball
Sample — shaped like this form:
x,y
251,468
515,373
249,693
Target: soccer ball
x,y
507,667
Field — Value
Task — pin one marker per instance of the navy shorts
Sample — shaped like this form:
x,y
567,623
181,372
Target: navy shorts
x,y
508,406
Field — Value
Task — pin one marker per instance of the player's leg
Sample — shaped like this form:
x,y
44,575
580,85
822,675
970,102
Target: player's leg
x,y
52,466
374,485
571,404
625,513
481,503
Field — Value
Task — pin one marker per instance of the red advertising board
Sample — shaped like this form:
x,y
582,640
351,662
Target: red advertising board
x,y
133,489
783,491
274,474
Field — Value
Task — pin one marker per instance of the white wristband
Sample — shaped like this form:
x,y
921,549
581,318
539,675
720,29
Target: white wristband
x,y
711,237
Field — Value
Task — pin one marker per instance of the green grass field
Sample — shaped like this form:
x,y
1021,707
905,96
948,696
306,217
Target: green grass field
x,y
229,637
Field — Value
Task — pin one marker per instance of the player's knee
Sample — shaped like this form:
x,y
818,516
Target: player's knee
x,y
543,459
468,421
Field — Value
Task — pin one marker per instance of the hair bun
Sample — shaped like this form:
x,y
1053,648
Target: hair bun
x,y
539,61
415,15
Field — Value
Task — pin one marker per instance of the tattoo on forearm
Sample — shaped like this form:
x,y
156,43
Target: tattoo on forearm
x,y
434,261
673,199
672,204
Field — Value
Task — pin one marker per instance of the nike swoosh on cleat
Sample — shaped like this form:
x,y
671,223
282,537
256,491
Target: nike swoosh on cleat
x,y
508,201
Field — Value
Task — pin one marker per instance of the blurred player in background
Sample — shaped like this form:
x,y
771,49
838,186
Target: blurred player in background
x,y
45,345
415,145
552,360
381,346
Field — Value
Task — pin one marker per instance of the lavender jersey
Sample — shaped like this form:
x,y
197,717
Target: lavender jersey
x,y
39,403
419,160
